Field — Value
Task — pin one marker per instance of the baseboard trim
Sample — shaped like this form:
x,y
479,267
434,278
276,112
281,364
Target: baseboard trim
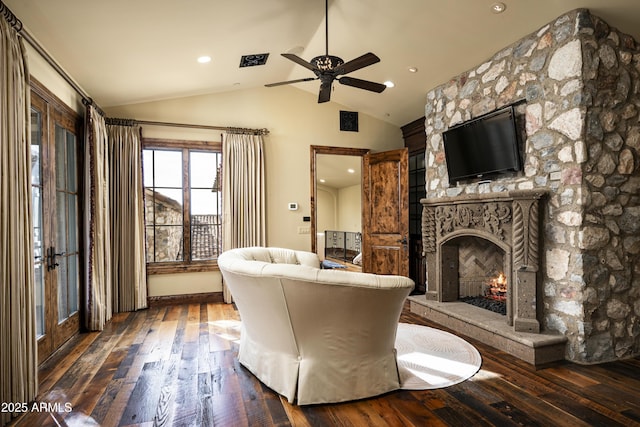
x,y
208,297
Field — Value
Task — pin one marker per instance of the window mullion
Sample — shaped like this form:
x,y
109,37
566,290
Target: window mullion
x,y
153,186
186,187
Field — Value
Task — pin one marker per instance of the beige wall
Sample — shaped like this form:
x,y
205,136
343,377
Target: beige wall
x,y
45,74
350,208
295,121
184,283
326,208
326,205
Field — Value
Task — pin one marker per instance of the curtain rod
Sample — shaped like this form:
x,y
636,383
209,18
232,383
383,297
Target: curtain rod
x,y
207,127
134,122
89,102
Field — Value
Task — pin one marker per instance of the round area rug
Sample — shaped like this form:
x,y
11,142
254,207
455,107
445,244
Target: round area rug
x,y
429,358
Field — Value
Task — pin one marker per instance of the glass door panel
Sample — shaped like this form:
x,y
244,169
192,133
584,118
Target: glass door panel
x,y
65,251
36,199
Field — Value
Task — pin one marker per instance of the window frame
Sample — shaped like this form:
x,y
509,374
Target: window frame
x,y
186,265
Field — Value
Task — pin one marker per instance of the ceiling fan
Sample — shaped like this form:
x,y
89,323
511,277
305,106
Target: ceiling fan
x,y
327,68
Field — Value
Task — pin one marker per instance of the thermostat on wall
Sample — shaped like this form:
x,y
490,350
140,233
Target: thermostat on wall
x,y
293,206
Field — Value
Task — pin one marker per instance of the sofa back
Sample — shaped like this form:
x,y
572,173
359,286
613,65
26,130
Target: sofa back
x,y
334,330
272,256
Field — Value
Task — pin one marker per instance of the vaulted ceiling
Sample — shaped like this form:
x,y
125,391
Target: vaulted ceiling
x,y
129,51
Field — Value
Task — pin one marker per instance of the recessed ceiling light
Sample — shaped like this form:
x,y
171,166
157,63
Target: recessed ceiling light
x,y
389,83
498,7
204,59
322,180
413,69
351,170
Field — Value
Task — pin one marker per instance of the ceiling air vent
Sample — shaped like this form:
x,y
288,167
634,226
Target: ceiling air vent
x,y
253,60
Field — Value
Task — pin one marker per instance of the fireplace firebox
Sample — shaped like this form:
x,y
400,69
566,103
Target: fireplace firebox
x,y
481,278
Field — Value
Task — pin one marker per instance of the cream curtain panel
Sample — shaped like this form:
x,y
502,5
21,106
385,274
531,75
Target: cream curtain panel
x,y
115,243
98,240
243,185
18,351
127,218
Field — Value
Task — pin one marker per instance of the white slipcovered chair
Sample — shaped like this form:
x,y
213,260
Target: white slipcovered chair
x,y
314,335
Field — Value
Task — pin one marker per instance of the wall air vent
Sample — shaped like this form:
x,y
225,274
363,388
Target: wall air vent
x,y
253,60
349,121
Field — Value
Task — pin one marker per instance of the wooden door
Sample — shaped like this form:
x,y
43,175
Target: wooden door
x,y
385,225
56,219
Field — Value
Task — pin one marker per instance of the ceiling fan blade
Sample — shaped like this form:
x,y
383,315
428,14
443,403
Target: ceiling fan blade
x,y
325,91
355,64
299,61
306,79
362,84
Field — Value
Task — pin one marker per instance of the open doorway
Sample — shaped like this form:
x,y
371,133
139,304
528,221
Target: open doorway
x,y
336,203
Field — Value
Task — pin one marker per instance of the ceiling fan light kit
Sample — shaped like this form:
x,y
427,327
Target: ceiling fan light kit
x,y
326,62
328,68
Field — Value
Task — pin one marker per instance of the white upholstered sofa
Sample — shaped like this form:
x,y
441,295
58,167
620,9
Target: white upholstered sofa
x,y
314,335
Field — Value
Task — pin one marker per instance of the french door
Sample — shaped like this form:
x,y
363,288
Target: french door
x,y
56,220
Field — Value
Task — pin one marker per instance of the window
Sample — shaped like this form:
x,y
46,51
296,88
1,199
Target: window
x,y
183,204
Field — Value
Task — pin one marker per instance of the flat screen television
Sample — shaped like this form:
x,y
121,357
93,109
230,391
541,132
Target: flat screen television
x,y
484,146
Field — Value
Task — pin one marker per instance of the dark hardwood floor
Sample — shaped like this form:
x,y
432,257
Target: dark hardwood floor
x,y
176,365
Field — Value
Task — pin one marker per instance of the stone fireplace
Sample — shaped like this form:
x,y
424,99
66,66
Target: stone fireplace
x,y
575,87
510,221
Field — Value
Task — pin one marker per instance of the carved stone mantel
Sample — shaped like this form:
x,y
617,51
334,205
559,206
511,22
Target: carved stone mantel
x,y
510,220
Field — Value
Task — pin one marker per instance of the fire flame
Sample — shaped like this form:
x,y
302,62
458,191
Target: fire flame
x,y
497,289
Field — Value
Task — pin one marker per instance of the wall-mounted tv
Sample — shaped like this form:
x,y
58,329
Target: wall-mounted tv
x,y
484,146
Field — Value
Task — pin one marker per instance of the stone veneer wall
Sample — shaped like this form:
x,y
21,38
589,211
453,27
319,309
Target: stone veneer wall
x,y
579,83
166,212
